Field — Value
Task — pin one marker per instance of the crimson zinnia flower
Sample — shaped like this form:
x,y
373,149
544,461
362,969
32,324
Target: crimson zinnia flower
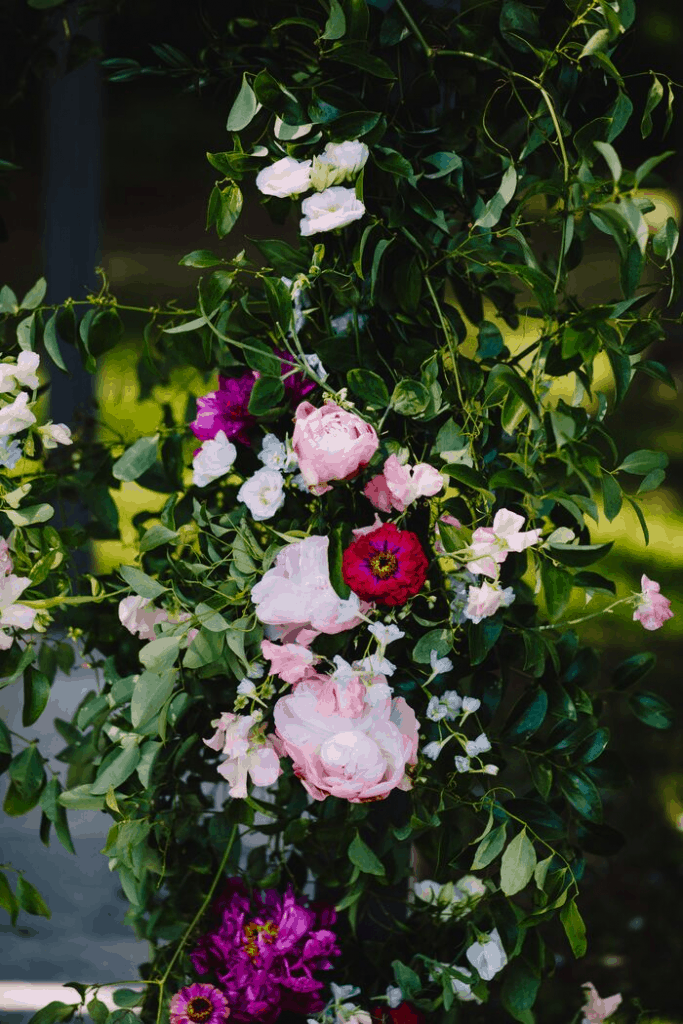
x,y
264,950
199,1004
403,1014
386,565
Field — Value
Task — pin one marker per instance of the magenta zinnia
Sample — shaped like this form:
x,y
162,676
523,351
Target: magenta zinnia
x,y
265,949
386,565
199,1004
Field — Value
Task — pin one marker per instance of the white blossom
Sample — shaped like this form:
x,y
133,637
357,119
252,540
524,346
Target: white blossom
x,y
446,706
16,416
52,434
19,616
385,635
376,665
286,177
470,705
343,324
21,374
491,769
487,957
214,459
10,453
480,745
433,749
316,366
246,688
263,493
440,664
334,208
462,764
340,161
274,454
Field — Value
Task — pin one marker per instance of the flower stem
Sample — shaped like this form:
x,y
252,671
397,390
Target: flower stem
x,y
414,28
584,618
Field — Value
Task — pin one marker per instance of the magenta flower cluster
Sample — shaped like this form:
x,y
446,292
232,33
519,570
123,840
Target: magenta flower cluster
x,y
228,408
264,950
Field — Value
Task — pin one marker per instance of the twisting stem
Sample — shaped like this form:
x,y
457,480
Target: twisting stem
x,y
584,618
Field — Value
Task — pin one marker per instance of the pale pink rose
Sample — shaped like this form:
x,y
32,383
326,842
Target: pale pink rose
x,y
296,599
289,661
6,564
450,521
345,741
491,544
398,486
486,600
596,1009
654,609
248,752
360,531
139,616
331,444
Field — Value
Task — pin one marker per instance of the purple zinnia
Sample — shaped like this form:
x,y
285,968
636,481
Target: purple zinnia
x,y
264,950
199,1004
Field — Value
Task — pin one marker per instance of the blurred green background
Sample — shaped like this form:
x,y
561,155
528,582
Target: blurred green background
x,y
155,185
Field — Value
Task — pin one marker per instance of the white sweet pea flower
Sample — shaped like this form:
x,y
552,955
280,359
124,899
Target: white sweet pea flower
x,y
394,996
334,208
16,416
263,493
214,459
340,992
286,177
463,989
248,751
274,454
470,705
479,746
20,616
462,764
21,374
52,434
440,664
487,957
256,671
385,635
446,706
343,324
246,688
343,672
296,287
316,366
375,665
485,600
491,769
340,161
433,749
10,453
453,900
139,616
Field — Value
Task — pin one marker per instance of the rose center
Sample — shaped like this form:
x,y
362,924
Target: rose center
x,y
199,1009
269,931
383,565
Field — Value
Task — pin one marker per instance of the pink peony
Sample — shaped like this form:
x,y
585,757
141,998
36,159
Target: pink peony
x,y
491,544
346,740
398,486
248,751
331,444
288,661
596,1009
654,609
486,600
296,599
199,1004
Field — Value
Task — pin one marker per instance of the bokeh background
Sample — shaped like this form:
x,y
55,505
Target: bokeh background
x,y
114,174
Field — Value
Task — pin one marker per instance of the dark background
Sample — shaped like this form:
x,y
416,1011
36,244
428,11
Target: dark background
x,y
115,174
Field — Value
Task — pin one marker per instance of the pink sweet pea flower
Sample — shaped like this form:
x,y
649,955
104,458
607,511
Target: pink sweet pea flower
x,y
347,740
491,544
19,616
398,486
654,609
249,752
6,564
486,600
139,616
288,661
296,600
597,1010
331,444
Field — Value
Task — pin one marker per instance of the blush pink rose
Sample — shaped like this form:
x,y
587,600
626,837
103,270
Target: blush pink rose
x,y
288,661
347,740
296,600
654,609
331,444
399,486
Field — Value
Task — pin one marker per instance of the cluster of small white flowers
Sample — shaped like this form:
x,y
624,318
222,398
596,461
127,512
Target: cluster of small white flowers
x,y
263,493
453,900
447,706
16,415
276,454
339,1012
333,206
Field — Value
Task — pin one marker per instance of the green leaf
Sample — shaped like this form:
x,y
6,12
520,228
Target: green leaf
x,y
527,716
353,125
243,109
359,57
611,158
574,929
118,770
8,300
493,210
611,496
34,296
30,900
439,640
651,709
26,771
274,97
51,342
104,332
81,798
151,692
581,794
369,386
641,518
98,1010
54,811
36,695
520,987
56,1011
465,475
406,979
155,536
517,864
633,669
410,398
200,258
338,542
665,242
362,857
211,619
7,899
279,302
489,847
159,655
655,96
597,42
557,588
141,583
380,249
5,739
579,555
140,457
652,481
482,638
30,515
335,26
643,462
265,395
229,202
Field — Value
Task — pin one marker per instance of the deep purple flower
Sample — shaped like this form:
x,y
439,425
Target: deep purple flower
x,y
298,385
264,950
226,409
199,1004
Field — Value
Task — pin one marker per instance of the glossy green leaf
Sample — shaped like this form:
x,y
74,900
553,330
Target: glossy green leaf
x,y
489,847
36,695
140,457
651,709
360,855
574,929
517,864
244,107
151,692
30,900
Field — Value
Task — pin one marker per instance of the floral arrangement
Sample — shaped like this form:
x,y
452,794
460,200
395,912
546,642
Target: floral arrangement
x,y
366,599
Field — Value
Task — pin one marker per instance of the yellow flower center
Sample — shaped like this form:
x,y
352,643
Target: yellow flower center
x,y
269,931
383,565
